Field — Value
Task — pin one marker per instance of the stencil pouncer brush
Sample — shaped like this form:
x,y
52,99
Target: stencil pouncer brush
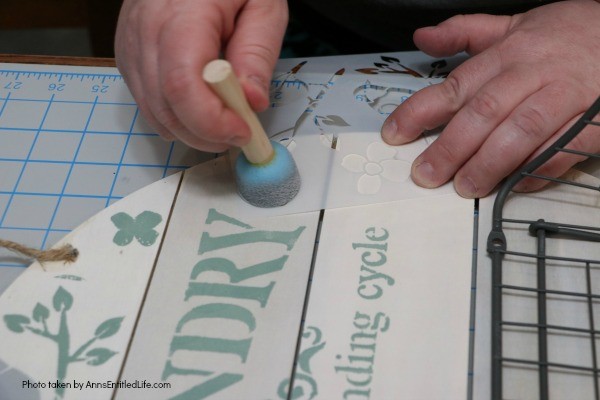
x,y
265,171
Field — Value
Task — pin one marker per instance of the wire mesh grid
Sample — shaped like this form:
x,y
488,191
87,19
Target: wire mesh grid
x,y
546,285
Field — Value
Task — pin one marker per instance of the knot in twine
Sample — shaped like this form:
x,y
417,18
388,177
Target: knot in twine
x,y
65,253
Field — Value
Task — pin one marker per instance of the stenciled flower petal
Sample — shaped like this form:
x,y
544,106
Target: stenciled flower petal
x,y
354,163
395,170
368,184
378,151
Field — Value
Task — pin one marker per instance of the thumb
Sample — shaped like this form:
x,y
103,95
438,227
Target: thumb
x,y
471,33
254,47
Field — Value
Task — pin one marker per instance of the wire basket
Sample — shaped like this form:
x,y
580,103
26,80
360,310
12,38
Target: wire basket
x,y
546,284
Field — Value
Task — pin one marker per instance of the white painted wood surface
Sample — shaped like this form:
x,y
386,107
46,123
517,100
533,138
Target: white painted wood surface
x,y
222,315
388,314
224,308
223,298
72,323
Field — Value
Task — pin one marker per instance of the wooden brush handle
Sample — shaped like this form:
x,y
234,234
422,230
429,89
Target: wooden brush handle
x,y
219,75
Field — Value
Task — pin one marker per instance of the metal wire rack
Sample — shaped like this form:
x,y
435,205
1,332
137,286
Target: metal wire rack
x,y
524,310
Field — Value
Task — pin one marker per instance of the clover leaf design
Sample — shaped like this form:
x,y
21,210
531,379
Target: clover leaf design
x,y
141,228
379,163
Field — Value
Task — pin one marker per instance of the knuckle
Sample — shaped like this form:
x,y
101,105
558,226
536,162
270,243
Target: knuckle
x,y
578,143
262,53
518,39
410,109
485,105
530,123
446,152
492,164
452,88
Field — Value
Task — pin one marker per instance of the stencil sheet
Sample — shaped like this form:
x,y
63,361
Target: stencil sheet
x,y
72,140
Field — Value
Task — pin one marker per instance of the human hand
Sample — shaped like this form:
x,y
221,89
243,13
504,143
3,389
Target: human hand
x,y
531,77
162,46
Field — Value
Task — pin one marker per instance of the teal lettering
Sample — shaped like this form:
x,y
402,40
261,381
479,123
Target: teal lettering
x,y
360,383
354,370
362,292
215,216
212,345
209,243
372,263
210,387
260,294
218,310
237,274
370,234
365,394
363,335
355,346
374,246
376,322
170,369
360,316
375,275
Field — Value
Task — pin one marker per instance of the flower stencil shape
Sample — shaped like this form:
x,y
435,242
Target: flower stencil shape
x,y
380,163
140,227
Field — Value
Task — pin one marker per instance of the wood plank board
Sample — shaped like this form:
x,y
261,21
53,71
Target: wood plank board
x,y
216,309
224,307
227,292
73,323
388,314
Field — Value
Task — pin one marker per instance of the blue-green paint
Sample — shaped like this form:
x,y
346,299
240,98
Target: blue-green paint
x,y
62,302
201,287
141,228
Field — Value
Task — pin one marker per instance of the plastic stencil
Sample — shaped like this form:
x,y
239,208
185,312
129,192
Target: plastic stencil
x,y
72,140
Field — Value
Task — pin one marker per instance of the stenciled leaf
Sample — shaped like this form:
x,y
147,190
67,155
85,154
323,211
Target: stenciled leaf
x,y
368,71
147,237
390,59
335,120
62,299
40,312
16,322
122,220
439,64
99,356
148,220
108,328
123,238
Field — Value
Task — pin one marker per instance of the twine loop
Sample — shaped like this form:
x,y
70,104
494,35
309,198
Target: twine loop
x,y
65,253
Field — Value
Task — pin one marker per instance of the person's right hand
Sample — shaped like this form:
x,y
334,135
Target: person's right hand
x,y
162,46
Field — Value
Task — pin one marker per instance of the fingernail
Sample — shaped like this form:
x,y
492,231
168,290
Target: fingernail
x,y
389,131
424,175
466,187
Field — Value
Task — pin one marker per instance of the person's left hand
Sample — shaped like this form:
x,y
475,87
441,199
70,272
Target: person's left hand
x,y
531,77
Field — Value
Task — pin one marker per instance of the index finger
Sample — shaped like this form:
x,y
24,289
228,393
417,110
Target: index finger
x,y
187,43
437,104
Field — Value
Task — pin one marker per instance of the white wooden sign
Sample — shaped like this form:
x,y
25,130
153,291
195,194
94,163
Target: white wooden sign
x,y
184,291
181,293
